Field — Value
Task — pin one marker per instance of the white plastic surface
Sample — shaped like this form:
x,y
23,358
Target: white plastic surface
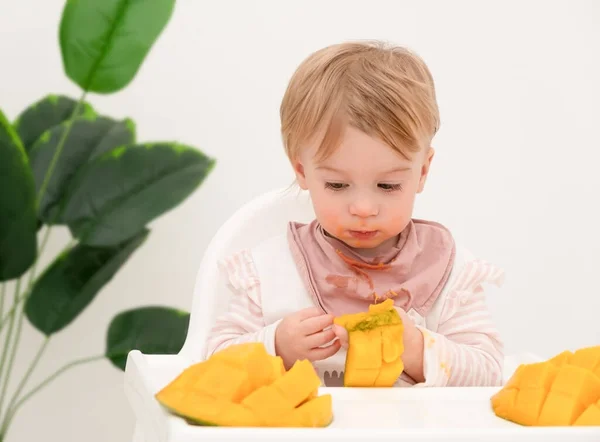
x,y
399,414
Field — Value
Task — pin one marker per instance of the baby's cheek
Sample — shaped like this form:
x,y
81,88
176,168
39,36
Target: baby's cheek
x,y
331,221
398,222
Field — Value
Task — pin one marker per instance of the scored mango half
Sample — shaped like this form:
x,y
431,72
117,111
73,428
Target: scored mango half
x,y
561,391
375,346
244,386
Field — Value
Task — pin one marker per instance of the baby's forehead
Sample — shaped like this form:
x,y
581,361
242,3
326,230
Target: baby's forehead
x,y
357,150
367,169
371,167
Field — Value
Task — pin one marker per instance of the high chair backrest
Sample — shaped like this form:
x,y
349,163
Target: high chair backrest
x,y
259,219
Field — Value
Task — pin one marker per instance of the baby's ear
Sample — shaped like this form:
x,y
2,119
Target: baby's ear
x,y
300,174
425,168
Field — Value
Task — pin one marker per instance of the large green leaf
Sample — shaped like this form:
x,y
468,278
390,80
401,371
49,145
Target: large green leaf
x,y
18,222
104,43
151,330
44,114
73,280
88,137
119,192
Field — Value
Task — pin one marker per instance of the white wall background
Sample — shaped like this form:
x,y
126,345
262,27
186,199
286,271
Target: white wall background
x,y
515,175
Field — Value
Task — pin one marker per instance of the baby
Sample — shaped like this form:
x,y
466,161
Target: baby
x,y
357,123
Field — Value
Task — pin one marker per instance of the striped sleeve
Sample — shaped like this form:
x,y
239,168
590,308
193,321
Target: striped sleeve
x,y
466,349
243,320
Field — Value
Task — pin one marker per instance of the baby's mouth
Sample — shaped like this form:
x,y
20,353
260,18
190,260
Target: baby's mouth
x,y
363,234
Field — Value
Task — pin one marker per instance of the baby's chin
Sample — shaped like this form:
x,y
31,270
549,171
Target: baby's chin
x,y
378,241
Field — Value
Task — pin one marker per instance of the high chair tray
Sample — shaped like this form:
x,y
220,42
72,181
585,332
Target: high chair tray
x,y
398,414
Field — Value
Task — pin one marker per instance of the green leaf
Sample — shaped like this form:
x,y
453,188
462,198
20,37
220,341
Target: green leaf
x,y
18,221
122,133
89,137
104,43
73,280
118,193
45,114
151,330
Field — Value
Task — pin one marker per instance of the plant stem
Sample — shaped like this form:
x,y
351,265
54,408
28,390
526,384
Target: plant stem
x,y
37,259
32,366
10,313
7,343
11,361
2,293
13,408
17,301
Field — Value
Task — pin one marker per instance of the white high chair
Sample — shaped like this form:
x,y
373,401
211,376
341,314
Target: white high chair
x,y
398,414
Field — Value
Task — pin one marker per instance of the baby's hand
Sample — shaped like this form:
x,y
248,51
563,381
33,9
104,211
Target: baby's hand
x,y
302,335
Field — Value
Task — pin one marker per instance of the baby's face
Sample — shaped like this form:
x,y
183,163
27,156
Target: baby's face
x,y
364,193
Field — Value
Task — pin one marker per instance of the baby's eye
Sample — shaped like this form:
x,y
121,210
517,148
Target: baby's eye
x,y
390,187
335,186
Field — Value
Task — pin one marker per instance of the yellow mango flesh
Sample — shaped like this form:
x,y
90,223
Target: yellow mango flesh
x,y
313,413
375,346
244,386
561,391
300,382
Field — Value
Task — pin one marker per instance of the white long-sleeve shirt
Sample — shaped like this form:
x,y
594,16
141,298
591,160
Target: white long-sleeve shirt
x,y
464,349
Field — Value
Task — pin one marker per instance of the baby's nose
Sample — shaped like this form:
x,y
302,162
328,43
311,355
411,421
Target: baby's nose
x,y
363,208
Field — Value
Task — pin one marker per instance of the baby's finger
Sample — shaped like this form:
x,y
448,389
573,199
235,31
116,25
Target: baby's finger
x,y
342,335
306,313
315,324
320,338
320,353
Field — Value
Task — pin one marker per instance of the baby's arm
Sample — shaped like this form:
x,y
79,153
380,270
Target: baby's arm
x,y
243,321
466,349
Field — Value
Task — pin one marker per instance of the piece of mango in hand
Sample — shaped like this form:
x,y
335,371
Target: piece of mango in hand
x,y
375,346
561,391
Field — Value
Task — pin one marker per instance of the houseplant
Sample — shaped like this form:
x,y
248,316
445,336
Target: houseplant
x,y
64,164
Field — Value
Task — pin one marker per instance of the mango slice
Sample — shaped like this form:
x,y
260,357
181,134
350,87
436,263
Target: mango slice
x,y
244,386
561,391
375,346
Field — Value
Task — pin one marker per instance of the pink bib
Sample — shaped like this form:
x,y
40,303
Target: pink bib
x,y
412,272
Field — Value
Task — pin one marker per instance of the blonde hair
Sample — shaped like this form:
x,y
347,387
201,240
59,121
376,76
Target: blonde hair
x,y
385,91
